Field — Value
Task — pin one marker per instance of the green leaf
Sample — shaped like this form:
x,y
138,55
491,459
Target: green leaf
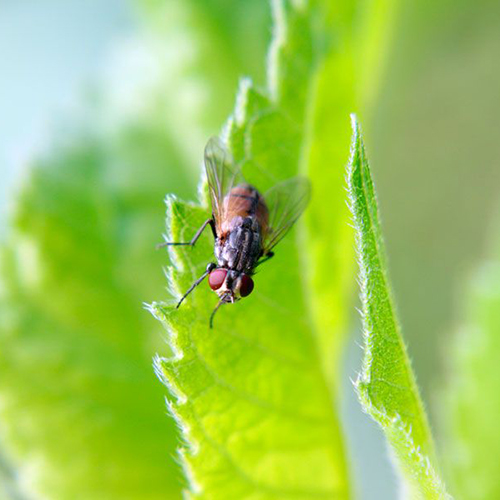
x,y
386,387
471,403
255,397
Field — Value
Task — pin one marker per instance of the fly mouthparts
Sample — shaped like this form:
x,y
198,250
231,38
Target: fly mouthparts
x,y
211,322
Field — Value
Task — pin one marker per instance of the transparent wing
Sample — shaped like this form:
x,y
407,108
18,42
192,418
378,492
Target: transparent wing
x,y
222,175
286,201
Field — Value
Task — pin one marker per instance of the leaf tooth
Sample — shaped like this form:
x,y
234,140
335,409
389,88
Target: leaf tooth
x,y
194,486
171,201
240,111
189,447
157,310
164,372
189,442
172,286
202,189
179,410
250,102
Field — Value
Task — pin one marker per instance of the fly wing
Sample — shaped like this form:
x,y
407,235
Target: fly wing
x,y
286,201
222,175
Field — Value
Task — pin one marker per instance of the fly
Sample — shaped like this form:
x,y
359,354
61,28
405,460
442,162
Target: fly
x,y
246,225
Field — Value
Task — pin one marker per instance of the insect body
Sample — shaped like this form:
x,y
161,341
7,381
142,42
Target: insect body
x,y
246,224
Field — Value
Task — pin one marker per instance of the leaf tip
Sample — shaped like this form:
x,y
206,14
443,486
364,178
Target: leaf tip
x,y
356,143
354,123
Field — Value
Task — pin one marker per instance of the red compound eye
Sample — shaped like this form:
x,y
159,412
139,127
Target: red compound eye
x,y
246,285
216,278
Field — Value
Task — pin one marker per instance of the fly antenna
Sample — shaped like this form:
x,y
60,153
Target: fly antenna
x,y
221,301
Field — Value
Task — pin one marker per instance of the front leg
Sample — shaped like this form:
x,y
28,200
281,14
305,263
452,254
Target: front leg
x,y
209,269
195,238
265,258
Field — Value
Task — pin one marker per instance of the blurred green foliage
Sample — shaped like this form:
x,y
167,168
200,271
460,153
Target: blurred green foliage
x,y
471,401
76,379
432,139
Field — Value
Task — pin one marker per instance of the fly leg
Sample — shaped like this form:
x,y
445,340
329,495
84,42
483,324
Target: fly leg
x,y
265,258
194,239
209,269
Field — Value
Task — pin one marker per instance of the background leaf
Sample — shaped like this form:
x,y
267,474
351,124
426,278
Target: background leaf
x,y
471,402
386,386
75,346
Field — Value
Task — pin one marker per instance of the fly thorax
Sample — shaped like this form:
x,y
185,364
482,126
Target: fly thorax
x,y
240,247
229,225
218,251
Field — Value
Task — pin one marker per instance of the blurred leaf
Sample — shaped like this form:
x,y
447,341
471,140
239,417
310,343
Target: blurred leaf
x,y
472,402
373,43
386,386
236,33
214,41
81,415
253,398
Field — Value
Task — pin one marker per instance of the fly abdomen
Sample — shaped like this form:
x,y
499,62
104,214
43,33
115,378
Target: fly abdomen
x,y
245,201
